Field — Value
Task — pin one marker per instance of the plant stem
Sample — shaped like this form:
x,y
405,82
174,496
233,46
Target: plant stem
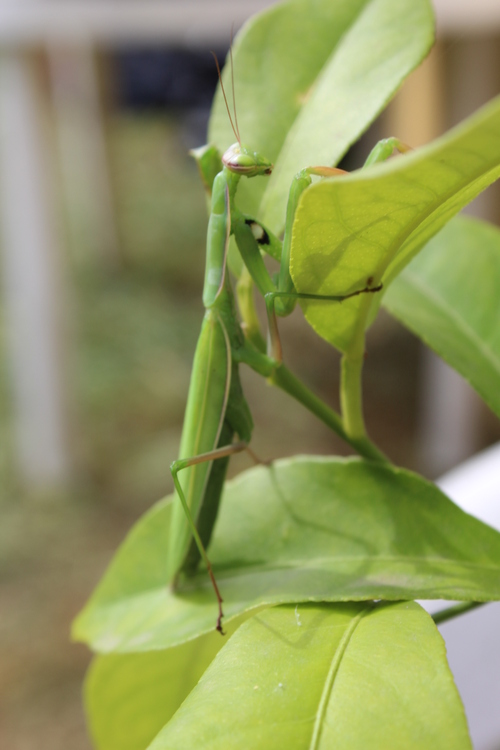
x,y
351,395
351,399
457,609
281,376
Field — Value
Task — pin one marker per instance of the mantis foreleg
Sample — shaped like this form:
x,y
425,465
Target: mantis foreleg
x,y
281,297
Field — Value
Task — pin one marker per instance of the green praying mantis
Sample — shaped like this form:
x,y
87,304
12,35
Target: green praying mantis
x,y
216,409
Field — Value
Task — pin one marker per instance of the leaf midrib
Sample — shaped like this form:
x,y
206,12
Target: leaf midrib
x,y
330,678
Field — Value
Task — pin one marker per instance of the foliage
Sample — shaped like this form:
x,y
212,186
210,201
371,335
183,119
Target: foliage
x,y
318,554
327,530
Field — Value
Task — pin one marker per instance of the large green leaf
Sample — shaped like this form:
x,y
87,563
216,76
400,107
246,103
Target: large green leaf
x,y
449,296
130,697
310,79
339,677
303,529
366,227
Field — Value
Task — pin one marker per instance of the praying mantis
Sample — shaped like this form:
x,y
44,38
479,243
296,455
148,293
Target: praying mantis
x,y
216,409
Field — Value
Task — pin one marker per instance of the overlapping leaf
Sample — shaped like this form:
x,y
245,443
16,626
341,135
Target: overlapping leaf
x,y
449,296
339,677
310,78
304,529
364,228
130,697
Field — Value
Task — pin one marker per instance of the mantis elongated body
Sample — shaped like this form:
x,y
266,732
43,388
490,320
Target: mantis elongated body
x,y
216,409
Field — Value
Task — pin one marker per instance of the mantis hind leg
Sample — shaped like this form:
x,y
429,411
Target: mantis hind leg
x,y
219,455
274,341
211,500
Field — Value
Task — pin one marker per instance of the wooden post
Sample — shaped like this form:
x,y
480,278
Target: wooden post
x,y
83,153
30,274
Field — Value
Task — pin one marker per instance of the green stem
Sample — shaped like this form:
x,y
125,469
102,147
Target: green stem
x,y
281,376
351,399
351,396
457,609
288,382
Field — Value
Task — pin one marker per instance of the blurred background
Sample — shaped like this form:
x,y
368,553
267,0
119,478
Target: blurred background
x,y
102,233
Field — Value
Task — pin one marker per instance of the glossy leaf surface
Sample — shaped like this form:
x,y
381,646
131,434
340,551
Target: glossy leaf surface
x,y
339,677
448,296
130,697
310,79
304,529
364,228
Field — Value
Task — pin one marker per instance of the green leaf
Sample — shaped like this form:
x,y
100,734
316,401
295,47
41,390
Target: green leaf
x,y
130,697
364,228
309,80
303,529
344,677
449,297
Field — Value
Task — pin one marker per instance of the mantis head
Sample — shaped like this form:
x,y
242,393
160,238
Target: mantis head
x,y
239,159
243,161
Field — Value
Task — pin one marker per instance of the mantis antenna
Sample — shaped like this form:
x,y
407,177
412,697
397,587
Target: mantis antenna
x,y
235,130
232,84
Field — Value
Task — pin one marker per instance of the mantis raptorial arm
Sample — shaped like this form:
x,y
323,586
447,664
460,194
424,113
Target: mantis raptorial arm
x,y
281,297
251,236
384,149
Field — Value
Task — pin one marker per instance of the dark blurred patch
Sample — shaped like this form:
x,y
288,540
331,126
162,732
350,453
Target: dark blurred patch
x,y
155,78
